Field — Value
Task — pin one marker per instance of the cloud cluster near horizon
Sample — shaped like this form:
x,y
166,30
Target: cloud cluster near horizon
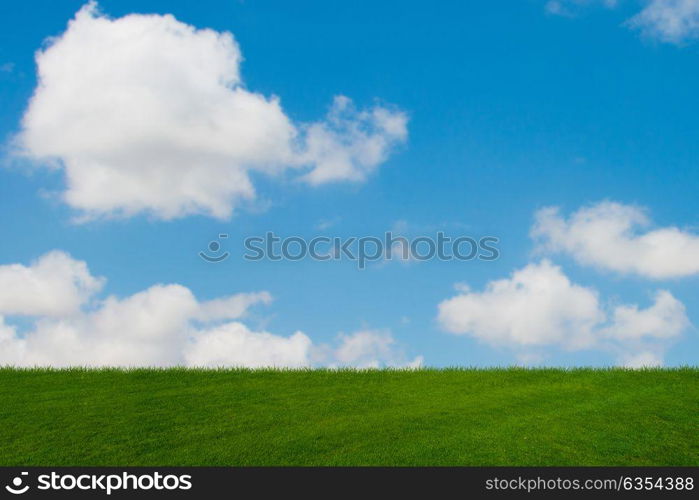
x,y
539,307
669,21
146,114
164,325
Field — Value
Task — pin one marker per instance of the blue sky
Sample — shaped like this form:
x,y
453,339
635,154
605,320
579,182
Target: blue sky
x,y
510,107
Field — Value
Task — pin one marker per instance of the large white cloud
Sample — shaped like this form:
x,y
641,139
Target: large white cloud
x,y
164,325
609,236
539,307
148,114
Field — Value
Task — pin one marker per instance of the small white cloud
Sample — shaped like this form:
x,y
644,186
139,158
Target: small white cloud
x,y
368,349
146,114
401,249
672,21
666,318
642,360
349,144
53,285
232,307
530,359
325,224
608,235
555,7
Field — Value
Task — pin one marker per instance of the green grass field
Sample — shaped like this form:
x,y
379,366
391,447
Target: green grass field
x,y
426,417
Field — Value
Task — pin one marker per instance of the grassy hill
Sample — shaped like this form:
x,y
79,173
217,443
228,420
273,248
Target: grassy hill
x,y
426,417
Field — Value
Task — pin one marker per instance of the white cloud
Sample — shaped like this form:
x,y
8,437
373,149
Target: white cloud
x,y
607,235
530,359
670,21
673,21
149,115
11,348
538,306
164,325
370,349
233,344
556,7
325,224
666,318
350,144
232,307
642,360
160,326
54,285
147,328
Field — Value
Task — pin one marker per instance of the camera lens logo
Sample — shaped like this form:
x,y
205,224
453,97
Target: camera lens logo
x,y
215,247
16,487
